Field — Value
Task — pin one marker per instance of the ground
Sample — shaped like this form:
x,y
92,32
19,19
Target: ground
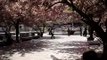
x,y
63,47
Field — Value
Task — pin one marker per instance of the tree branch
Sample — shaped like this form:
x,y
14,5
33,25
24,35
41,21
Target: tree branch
x,y
88,19
54,4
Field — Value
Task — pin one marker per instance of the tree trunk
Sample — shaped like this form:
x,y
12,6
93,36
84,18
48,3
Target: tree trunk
x,y
43,28
41,34
85,31
8,38
42,31
105,3
90,34
17,31
104,56
105,44
81,30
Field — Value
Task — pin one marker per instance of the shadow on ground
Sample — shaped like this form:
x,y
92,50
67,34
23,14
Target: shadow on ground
x,y
21,48
29,46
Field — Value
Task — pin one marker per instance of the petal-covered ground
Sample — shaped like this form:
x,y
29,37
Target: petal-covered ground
x,y
63,47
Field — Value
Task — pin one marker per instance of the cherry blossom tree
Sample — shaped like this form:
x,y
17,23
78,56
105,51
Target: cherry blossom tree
x,y
89,10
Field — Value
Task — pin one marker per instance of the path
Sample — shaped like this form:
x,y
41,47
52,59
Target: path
x,y
63,47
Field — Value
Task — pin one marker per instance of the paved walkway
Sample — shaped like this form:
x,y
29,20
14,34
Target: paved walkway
x,y
63,47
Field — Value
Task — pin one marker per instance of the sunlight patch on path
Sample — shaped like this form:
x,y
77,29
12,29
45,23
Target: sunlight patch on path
x,y
65,38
